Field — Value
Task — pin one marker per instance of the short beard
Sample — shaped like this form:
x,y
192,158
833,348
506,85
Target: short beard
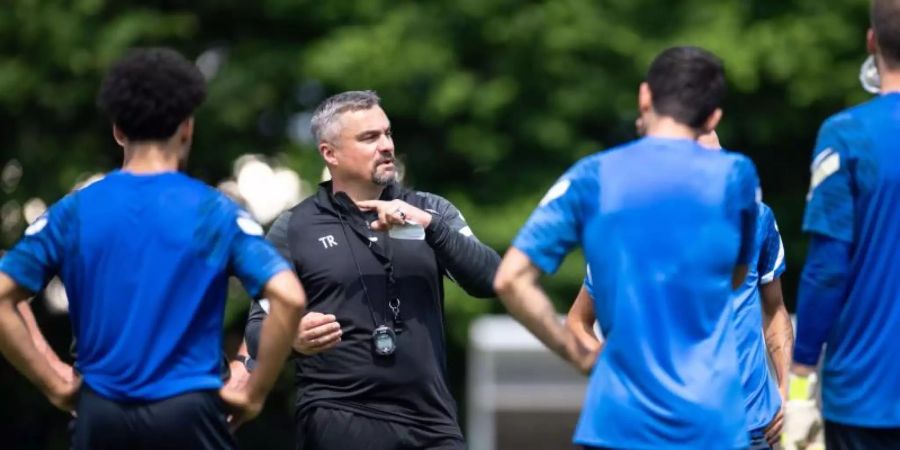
x,y
383,179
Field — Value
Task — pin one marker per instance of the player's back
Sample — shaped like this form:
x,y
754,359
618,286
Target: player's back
x,y
145,271
662,246
861,383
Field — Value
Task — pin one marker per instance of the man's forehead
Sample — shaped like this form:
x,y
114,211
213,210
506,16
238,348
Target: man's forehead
x,y
360,120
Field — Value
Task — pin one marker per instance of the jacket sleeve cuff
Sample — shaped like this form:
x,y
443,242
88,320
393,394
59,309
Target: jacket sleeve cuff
x,y
437,230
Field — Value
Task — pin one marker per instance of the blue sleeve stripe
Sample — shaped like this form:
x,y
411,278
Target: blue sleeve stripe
x,y
588,281
830,201
779,265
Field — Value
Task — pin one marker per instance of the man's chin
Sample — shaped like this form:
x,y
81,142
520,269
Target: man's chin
x,y
385,177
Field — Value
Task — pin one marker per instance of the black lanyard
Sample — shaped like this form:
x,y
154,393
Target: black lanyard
x,y
392,300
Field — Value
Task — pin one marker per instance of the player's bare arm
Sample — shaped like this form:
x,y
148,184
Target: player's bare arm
x,y
517,285
779,337
779,332
287,301
17,346
580,320
62,369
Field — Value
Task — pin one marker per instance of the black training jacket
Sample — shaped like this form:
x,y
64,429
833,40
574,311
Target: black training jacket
x,y
338,258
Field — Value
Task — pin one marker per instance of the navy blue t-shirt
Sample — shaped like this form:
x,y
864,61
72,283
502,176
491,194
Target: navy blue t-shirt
x,y
145,260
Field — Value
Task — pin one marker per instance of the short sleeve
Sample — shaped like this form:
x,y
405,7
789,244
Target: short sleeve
x,y
745,196
588,281
554,228
771,262
252,259
829,204
37,257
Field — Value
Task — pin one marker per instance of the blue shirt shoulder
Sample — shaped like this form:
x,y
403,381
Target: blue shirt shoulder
x,y
231,235
36,258
744,197
554,228
841,166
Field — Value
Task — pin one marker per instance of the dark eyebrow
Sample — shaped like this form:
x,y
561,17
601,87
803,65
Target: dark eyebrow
x,y
374,132
367,134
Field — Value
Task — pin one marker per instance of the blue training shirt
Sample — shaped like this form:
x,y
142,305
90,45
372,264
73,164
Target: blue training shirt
x,y
663,223
855,198
145,260
761,397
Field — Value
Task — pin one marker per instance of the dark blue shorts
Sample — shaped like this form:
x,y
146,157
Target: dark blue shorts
x,y
757,441
194,420
847,437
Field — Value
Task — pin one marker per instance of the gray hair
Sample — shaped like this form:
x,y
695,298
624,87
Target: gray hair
x,y
327,113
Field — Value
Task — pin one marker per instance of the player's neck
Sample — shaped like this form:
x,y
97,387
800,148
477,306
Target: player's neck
x,y
890,81
150,158
357,191
667,127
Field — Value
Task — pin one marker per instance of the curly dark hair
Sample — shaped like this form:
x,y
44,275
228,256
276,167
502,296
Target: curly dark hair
x,y
150,91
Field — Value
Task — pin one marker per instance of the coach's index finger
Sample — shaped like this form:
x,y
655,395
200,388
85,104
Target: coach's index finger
x,y
367,205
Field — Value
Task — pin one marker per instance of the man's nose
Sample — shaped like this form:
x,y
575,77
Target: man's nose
x,y
386,145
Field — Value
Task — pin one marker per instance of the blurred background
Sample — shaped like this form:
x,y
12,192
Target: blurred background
x,y
490,101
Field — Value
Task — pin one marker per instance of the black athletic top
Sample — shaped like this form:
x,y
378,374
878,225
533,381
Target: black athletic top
x,y
338,258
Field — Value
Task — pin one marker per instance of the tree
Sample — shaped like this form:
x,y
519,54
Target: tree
x,y
490,99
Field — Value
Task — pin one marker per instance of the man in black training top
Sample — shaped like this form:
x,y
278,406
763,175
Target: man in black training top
x,y
372,255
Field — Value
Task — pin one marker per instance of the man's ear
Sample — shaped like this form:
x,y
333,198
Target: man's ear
x,y
186,130
328,151
871,42
712,121
119,136
645,99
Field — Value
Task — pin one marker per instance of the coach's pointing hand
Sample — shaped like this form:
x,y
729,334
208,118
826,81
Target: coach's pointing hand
x,y
318,332
394,212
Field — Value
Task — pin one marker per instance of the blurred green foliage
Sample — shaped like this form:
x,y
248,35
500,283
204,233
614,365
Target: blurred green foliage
x,y
490,101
